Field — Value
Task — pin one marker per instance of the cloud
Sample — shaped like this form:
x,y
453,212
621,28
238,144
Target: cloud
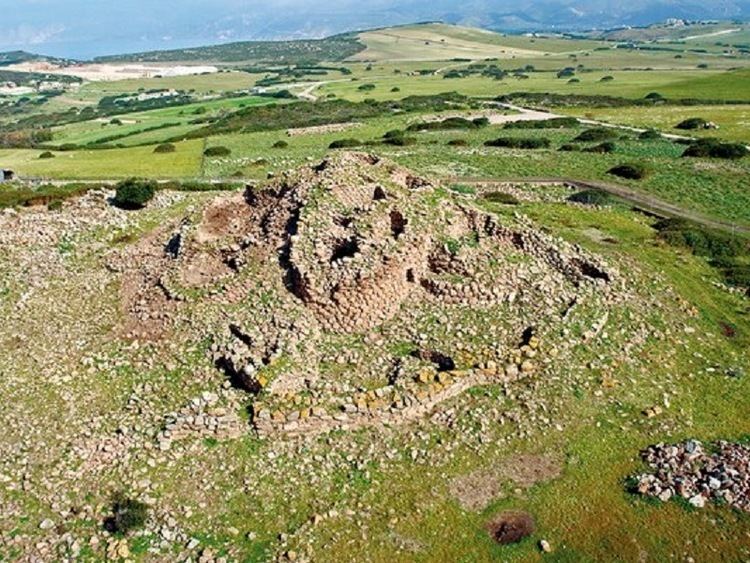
x,y
27,35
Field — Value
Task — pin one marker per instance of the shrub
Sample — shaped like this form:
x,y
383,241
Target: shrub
x,y
450,123
649,135
554,123
568,147
718,246
395,89
692,123
574,81
401,141
519,143
501,197
457,143
596,135
217,151
46,154
127,515
602,148
115,121
654,96
632,171
592,197
280,144
165,148
134,193
712,148
366,87
345,143
607,79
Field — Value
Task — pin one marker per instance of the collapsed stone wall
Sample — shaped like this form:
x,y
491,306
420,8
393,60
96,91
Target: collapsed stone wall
x,y
341,248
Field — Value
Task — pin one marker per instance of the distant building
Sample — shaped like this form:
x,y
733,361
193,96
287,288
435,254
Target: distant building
x,y
6,175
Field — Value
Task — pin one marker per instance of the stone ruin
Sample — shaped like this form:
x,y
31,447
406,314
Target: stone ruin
x,y
335,264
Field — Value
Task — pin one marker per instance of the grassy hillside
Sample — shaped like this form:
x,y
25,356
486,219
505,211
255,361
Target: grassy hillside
x,y
437,41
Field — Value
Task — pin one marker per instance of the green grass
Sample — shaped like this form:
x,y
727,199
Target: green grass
x,y
135,126
733,120
185,162
700,84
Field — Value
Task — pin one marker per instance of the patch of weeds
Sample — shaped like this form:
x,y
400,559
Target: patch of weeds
x,y
463,189
127,516
65,246
140,545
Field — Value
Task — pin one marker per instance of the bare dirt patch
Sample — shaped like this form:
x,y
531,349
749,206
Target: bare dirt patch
x,y
476,490
511,526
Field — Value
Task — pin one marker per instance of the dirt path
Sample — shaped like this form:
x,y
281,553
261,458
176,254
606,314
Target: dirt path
x,y
640,200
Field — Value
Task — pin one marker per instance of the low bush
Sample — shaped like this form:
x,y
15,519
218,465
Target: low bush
x,y
716,245
165,148
345,143
501,197
592,197
46,154
554,123
457,143
712,148
450,123
569,147
633,171
519,143
217,151
649,135
596,135
602,148
127,516
134,193
726,252
692,123
399,141
281,144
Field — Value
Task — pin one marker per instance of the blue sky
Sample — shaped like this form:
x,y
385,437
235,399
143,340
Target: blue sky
x,y
84,28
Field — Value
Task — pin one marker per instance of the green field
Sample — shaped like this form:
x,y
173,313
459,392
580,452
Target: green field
x,y
631,84
733,120
185,162
134,125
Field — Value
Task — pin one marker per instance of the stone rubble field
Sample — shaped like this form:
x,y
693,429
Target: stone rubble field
x,y
265,370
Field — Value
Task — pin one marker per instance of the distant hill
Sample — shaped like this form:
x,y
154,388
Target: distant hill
x,y
726,32
303,51
15,57
424,41
437,41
